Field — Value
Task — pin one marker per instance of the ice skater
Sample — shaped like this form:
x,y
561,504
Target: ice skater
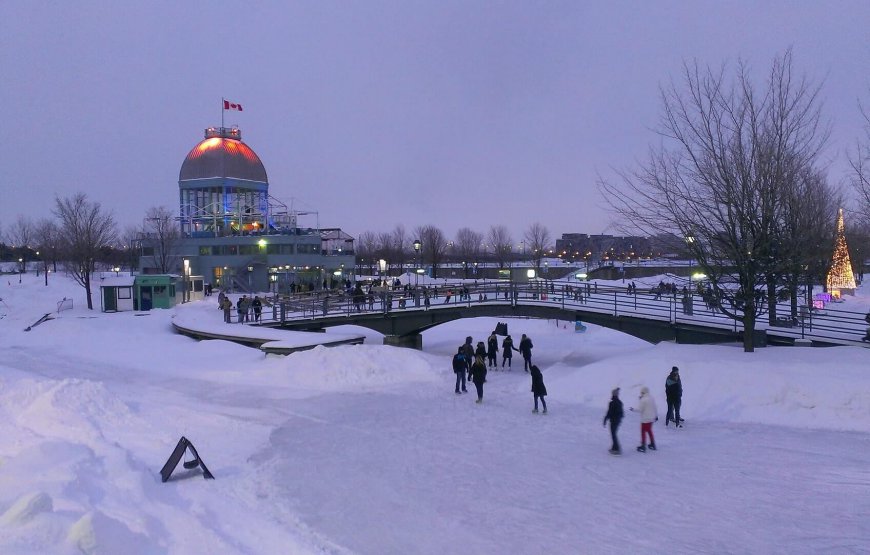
x,y
478,376
674,394
492,350
614,414
507,352
526,350
538,388
459,368
648,415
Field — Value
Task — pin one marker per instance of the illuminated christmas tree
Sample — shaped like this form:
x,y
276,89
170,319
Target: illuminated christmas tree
x,y
841,278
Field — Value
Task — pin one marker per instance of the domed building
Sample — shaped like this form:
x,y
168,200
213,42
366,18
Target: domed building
x,y
234,234
223,186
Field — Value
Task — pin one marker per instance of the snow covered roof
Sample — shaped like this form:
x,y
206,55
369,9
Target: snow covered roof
x,y
117,281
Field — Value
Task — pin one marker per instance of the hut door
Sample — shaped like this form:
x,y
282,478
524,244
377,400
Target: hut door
x,y
110,301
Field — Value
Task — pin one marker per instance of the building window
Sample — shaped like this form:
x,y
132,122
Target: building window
x,y
205,251
248,249
125,292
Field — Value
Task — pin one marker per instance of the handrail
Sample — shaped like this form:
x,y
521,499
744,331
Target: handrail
x,y
831,325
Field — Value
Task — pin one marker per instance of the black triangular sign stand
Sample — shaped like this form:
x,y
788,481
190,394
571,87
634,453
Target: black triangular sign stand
x,y
176,455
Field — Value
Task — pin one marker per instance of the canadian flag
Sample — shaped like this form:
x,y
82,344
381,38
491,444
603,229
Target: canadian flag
x,y
232,106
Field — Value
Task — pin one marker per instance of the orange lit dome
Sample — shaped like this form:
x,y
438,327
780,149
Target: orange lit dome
x,y
222,154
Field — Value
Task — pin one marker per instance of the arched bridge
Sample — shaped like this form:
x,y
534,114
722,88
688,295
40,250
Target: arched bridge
x,y
653,316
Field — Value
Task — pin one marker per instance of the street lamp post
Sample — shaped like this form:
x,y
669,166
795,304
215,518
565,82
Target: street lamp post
x,y
417,246
382,266
690,240
20,268
186,277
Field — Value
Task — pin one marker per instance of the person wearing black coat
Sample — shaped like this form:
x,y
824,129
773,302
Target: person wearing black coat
x,y
507,352
614,414
526,350
478,376
492,350
468,351
538,388
480,351
674,394
459,368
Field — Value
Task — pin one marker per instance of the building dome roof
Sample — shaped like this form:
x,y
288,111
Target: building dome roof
x,y
222,154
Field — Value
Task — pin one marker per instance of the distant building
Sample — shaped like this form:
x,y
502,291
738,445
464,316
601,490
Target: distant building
x,y
235,234
599,248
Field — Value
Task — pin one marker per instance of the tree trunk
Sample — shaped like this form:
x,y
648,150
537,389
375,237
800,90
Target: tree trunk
x,y
771,300
793,293
87,277
749,326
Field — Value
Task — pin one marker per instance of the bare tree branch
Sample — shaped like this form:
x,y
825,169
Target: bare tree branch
x,y
85,230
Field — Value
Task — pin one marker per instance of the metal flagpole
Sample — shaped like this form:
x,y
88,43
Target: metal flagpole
x,y
223,100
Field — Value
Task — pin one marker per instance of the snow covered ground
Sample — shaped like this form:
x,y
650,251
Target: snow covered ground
x,y
366,449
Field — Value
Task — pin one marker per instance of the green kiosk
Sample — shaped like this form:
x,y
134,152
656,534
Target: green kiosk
x,y
154,291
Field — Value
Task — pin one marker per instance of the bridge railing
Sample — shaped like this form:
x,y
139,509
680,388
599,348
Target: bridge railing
x,y
831,324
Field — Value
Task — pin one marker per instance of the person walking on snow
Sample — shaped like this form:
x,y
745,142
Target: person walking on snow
x,y
614,414
468,351
648,415
492,350
478,376
538,388
480,351
674,394
459,368
227,306
257,306
507,347
526,350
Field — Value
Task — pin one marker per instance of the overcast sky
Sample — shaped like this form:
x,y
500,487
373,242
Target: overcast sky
x,y
383,113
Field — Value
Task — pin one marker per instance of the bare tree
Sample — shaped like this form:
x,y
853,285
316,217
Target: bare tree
x,y
467,247
366,250
48,242
85,230
858,238
537,238
164,235
21,237
860,161
805,237
434,246
384,249
720,187
399,248
500,239
130,239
